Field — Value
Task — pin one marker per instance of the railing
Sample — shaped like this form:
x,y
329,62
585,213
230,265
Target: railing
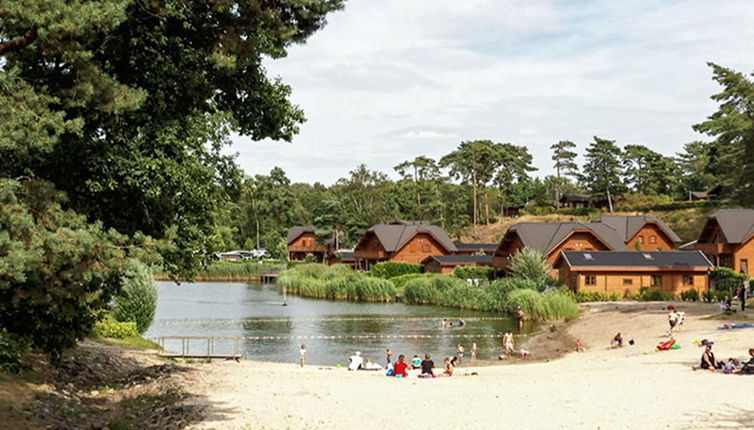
x,y
233,352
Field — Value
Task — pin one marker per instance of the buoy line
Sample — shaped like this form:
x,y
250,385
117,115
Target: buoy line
x,y
381,336
188,322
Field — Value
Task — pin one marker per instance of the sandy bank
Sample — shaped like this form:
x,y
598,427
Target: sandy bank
x,y
629,388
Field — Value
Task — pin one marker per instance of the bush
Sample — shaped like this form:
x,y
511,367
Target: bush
x,y
137,300
336,282
560,306
728,280
239,270
594,296
12,349
109,327
651,295
473,272
716,296
400,281
390,269
530,264
690,295
530,301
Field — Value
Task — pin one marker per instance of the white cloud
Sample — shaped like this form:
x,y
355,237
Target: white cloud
x,y
388,80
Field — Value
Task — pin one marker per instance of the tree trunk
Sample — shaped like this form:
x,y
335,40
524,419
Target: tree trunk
x,y
474,192
609,200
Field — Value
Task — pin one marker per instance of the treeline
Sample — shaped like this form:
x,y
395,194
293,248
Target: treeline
x,y
481,180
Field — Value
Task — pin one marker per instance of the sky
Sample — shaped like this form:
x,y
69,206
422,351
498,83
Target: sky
x,y
388,80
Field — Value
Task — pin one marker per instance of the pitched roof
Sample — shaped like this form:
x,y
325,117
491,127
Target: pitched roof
x,y
460,259
628,225
394,235
296,231
629,259
475,247
737,224
544,236
575,198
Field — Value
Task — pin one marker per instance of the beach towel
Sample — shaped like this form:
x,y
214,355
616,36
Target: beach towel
x,y
664,346
733,326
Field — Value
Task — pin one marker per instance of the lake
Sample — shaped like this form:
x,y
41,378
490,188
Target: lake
x,y
274,332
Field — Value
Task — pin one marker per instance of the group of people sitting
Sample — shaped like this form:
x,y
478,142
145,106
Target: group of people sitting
x,y
708,362
427,366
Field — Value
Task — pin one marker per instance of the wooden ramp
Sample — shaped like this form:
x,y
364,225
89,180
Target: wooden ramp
x,y
204,347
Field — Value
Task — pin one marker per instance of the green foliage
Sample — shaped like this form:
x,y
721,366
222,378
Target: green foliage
x,y
651,295
56,270
530,301
336,282
390,269
594,296
473,272
137,300
239,270
602,172
111,328
400,281
530,264
12,349
560,305
690,295
716,295
728,280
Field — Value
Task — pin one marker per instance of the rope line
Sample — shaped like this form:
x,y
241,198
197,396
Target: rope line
x,y
187,322
368,336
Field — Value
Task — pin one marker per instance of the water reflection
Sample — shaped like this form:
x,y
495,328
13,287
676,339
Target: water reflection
x,y
253,310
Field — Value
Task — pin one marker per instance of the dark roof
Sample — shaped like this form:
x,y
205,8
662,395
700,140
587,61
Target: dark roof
x,y
544,236
394,235
346,255
700,194
575,198
635,259
473,247
296,231
628,225
460,259
737,224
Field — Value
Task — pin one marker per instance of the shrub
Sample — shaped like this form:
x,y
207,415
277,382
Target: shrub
x,y
530,264
109,327
651,295
728,280
595,296
137,300
390,269
690,295
473,272
560,306
337,282
400,281
429,289
716,296
12,349
239,270
530,301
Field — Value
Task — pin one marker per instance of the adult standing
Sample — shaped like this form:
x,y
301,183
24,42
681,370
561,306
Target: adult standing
x,y
741,295
520,317
508,343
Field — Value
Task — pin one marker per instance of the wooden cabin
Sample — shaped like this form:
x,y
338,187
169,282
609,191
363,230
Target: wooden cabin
x,y
445,264
626,272
303,242
475,248
580,201
727,239
607,233
342,256
402,241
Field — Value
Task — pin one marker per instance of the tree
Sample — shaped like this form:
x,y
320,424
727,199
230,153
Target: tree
x,y
732,127
420,170
695,168
133,101
602,172
649,172
514,165
475,162
565,164
530,264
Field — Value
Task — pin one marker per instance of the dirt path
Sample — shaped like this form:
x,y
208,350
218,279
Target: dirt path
x,y
629,388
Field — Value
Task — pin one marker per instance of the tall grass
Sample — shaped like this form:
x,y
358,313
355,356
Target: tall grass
x,y
235,270
503,295
336,282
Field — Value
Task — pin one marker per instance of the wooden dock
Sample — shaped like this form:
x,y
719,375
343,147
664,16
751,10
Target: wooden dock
x,y
205,354
269,277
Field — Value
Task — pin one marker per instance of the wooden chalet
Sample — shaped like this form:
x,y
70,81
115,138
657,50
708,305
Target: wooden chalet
x,y
580,201
303,241
727,239
342,256
627,272
608,233
406,241
445,264
475,248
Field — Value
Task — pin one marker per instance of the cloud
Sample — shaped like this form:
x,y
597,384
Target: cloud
x,y
387,81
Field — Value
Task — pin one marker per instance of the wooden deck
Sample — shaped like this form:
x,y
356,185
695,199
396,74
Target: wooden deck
x,y
207,345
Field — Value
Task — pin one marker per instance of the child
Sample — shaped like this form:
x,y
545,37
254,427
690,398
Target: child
x,y
474,350
399,370
303,354
579,346
459,350
416,362
448,367
617,341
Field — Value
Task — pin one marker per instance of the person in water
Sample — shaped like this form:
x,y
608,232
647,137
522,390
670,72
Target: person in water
x,y
459,352
400,367
520,317
474,350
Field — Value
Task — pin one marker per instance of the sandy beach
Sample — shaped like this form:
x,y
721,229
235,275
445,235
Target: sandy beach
x,y
633,387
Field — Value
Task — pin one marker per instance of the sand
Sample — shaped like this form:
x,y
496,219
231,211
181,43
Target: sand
x,y
629,388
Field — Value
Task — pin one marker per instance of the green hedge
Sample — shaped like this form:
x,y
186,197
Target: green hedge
x,y
336,282
473,272
390,269
728,280
12,349
109,327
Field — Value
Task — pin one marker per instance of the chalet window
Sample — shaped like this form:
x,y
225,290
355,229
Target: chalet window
x,y
628,281
590,280
745,266
725,260
688,280
425,248
656,281
640,240
652,239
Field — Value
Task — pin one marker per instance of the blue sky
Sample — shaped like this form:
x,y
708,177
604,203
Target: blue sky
x,y
388,80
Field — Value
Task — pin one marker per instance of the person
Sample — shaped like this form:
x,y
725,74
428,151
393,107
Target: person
x,y
400,367
617,341
445,323
448,367
388,357
741,294
708,359
520,316
459,351
727,306
474,350
427,365
681,319
416,362
355,361
370,365
731,366
672,320
508,343
579,346
461,322
302,352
